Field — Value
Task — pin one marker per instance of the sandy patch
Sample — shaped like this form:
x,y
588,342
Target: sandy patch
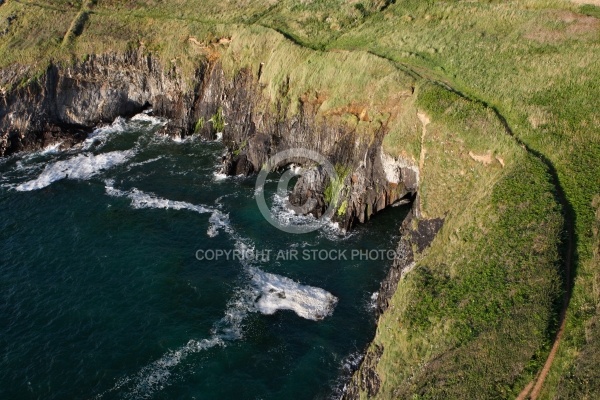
x,y
485,159
577,26
425,121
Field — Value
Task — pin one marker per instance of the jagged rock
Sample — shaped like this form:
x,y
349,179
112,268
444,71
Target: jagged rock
x,y
308,192
365,378
78,97
67,101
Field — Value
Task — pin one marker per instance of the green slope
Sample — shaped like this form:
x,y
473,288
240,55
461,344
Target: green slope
x,y
479,313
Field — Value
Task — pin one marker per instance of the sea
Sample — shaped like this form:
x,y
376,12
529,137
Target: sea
x,y
130,268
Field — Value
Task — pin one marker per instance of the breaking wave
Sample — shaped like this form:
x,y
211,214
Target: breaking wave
x,y
277,292
81,167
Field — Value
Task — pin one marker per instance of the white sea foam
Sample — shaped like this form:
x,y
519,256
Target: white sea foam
x,y
219,176
275,292
155,376
348,365
280,293
51,149
160,373
372,304
140,199
179,139
219,221
100,135
82,166
144,117
137,164
288,217
265,292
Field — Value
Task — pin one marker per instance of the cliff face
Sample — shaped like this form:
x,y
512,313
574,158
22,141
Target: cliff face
x,y
416,236
369,180
68,101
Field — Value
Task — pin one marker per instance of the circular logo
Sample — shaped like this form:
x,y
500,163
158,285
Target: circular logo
x,y
288,157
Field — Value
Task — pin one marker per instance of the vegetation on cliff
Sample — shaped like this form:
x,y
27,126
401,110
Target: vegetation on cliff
x,y
496,103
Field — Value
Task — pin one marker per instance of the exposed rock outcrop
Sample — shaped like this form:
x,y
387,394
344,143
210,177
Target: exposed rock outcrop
x,y
416,235
69,100
66,101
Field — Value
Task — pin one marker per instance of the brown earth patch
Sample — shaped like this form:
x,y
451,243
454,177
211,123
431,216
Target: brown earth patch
x,y
485,159
500,160
358,110
577,26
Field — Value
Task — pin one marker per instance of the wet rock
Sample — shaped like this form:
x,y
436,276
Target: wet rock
x,y
414,234
366,378
78,97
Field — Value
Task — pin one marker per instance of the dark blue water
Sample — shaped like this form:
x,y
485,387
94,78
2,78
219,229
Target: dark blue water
x,y
101,294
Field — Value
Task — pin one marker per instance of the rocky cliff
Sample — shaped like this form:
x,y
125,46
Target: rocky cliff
x,y
415,236
369,180
67,101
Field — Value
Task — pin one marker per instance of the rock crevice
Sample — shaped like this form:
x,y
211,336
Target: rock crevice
x,y
66,102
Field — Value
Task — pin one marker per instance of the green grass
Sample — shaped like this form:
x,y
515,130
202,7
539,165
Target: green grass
x,y
218,120
334,188
199,125
487,305
533,65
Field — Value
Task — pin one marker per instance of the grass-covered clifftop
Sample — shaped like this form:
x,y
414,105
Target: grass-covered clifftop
x,y
496,101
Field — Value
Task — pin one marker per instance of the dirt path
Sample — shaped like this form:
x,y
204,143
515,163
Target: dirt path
x,y
533,388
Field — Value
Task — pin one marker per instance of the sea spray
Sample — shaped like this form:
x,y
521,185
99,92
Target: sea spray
x,y
81,167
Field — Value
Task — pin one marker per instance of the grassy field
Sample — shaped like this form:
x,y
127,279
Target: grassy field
x,y
511,156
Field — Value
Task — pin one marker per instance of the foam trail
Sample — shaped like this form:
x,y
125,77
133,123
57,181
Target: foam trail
x,y
277,292
265,293
145,117
219,220
218,176
100,136
51,149
137,164
157,375
287,217
82,167
141,199
348,365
